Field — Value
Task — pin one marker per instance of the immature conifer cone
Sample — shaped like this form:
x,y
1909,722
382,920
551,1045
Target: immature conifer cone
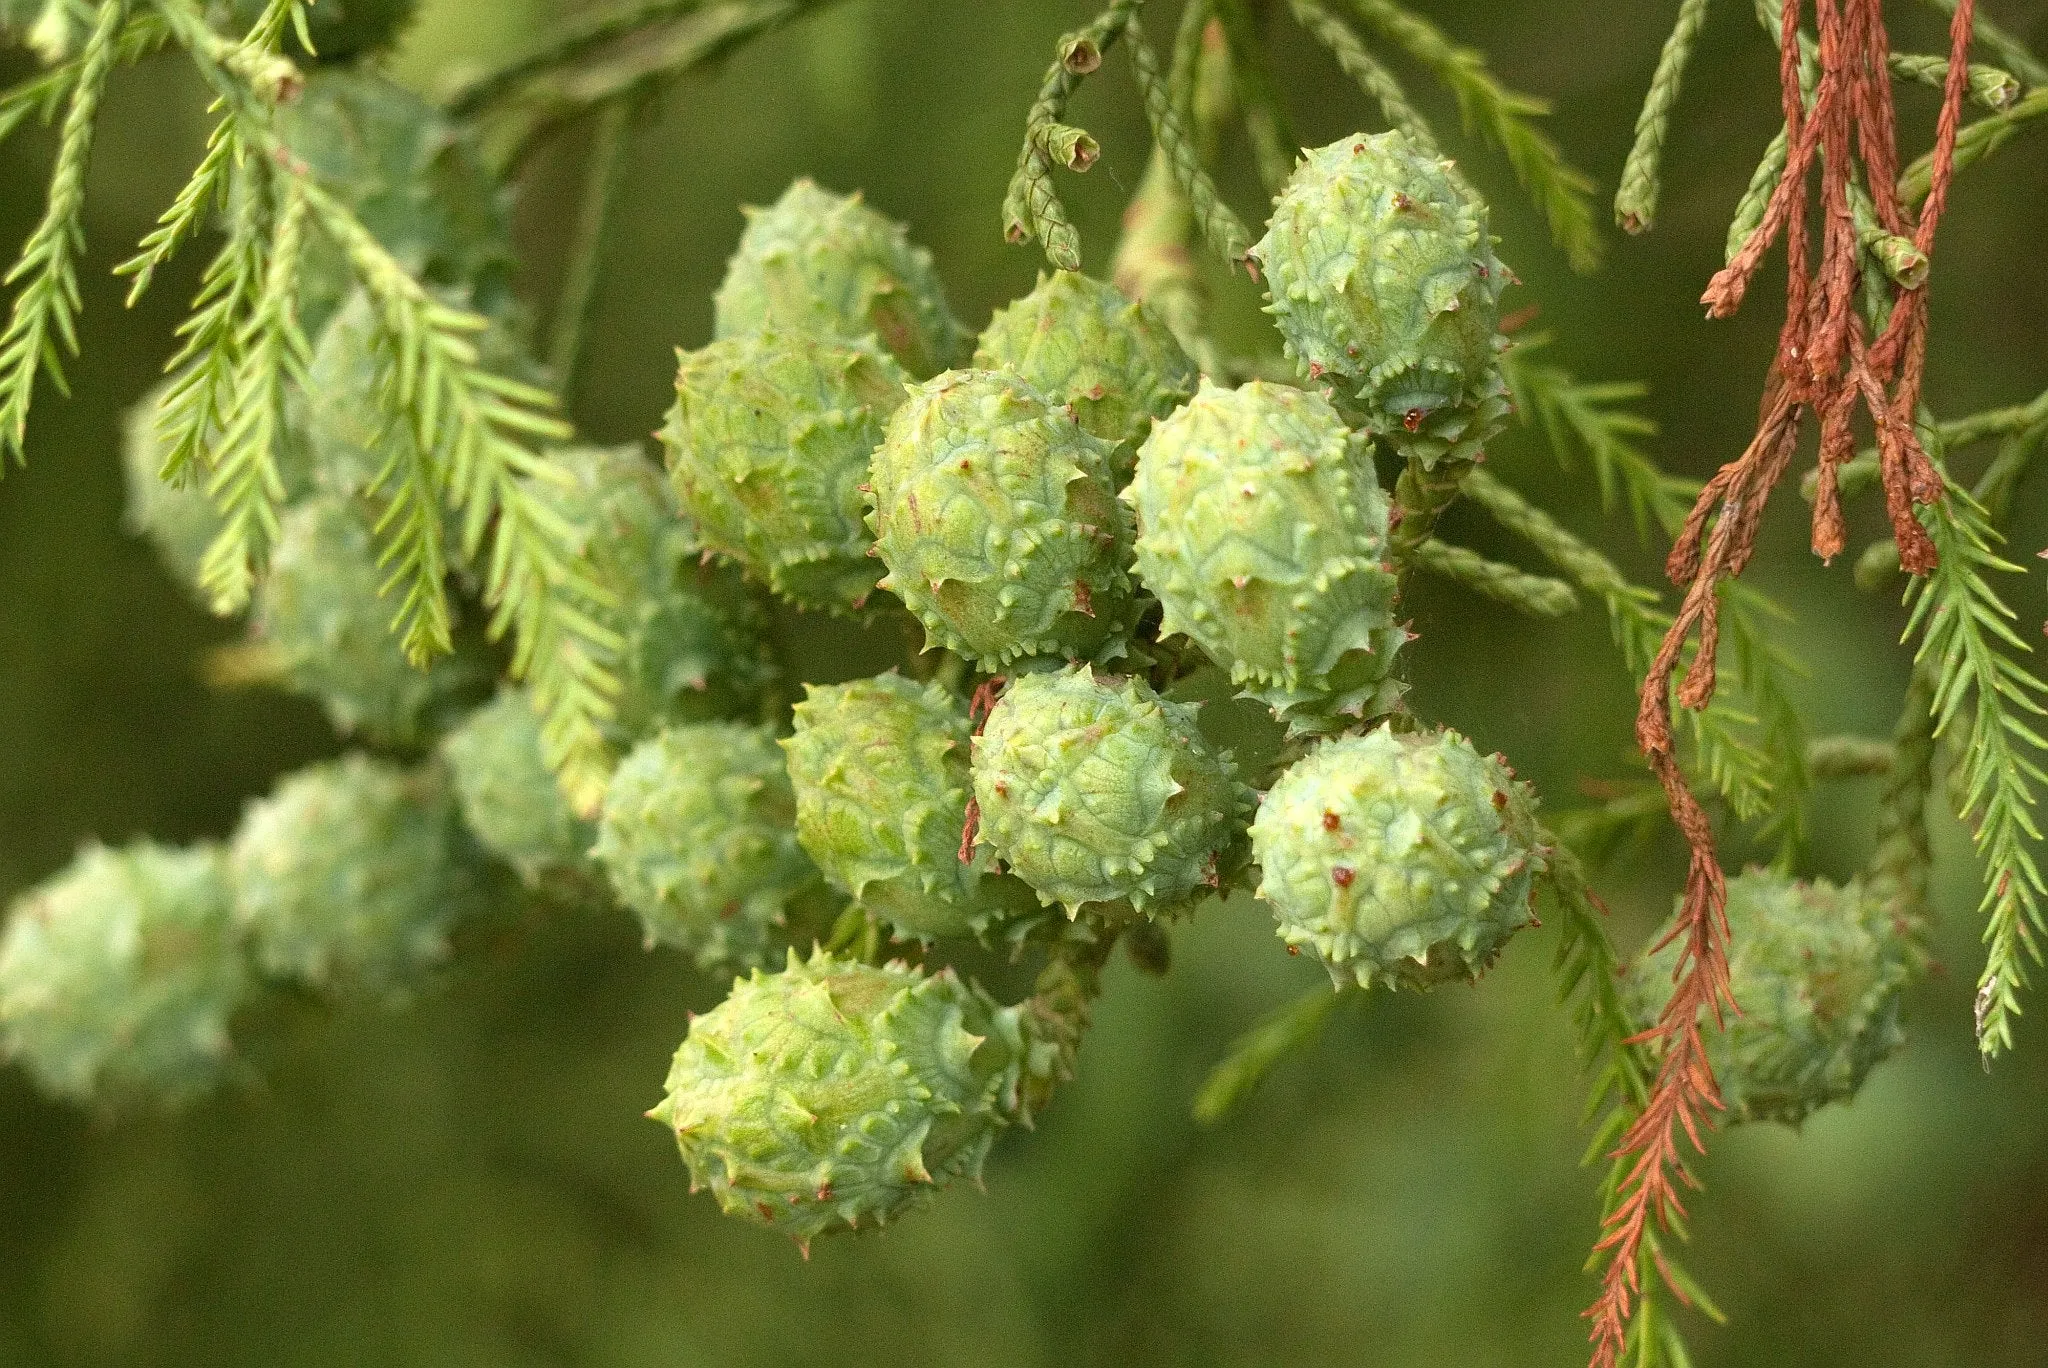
x,y
768,447
693,645
698,836
507,794
321,615
880,768
1080,342
1094,789
416,181
1382,277
349,876
994,513
118,976
1399,858
1263,531
1816,971
834,1094
829,266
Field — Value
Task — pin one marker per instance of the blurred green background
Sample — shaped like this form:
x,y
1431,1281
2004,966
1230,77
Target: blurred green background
x,y
470,1182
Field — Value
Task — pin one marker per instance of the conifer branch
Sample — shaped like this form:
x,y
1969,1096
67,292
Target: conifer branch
x,y
1031,207
1361,66
1250,1058
585,36
272,352
1221,227
1537,595
195,404
2010,51
1560,190
43,325
1635,203
1974,142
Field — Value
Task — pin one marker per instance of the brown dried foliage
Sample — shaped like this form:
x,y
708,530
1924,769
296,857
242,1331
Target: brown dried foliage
x,y
1825,364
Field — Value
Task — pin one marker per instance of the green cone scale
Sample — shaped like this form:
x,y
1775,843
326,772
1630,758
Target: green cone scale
x,y
832,1094
1081,342
118,976
1093,789
1399,858
508,797
1263,531
1816,970
350,875
698,837
322,620
768,446
831,267
1382,279
993,511
880,768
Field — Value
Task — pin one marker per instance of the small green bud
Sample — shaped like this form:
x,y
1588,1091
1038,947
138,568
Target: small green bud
x,y
1263,531
768,447
1095,790
507,794
994,513
829,266
834,1094
1816,972
349,876
880,768
1399,858
698,836
1381,275
119,975
1082,343
323,623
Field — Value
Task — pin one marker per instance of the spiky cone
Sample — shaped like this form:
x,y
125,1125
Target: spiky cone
x,y
1101,794
768,446
831,267
1816,971
880,769
417,181
1262,529
1406,859
322,628
698,837
993,511
350,875
694,646
1381,276
506,793
833,1094
1081,342
119,976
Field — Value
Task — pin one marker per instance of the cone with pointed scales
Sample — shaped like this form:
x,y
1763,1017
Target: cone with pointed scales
x,y
1399,858
1263,532
1095,790
1382,278
508,797
993,511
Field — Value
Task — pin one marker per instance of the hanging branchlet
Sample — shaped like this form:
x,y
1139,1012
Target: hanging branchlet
x,y
1537,595
1355,61
1635,203
1032,207
1221,227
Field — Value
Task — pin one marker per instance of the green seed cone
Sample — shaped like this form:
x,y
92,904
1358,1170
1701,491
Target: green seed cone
x,y
768,445
1381,276
994,513
1082,343
119,975
698,837
833,1094
830,267
350,875
1816,970
323,623
507,795
1263,532
1095,790
880,768
1399,858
